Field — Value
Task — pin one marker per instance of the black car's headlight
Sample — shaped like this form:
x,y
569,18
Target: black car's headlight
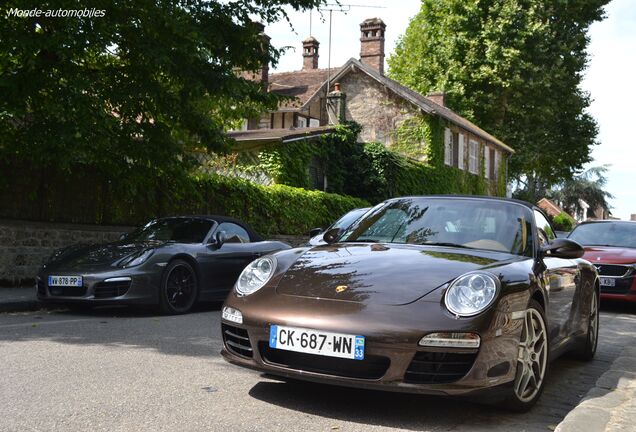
x,y
136,258
471,294
255,275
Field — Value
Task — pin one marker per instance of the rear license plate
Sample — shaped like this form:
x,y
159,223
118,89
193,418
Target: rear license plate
x,y
316,342
64,281
610,282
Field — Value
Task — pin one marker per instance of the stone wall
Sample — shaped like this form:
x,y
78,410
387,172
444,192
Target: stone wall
x,y
374,107
24,246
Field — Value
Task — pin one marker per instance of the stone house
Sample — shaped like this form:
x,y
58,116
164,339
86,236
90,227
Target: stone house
x,y
359,91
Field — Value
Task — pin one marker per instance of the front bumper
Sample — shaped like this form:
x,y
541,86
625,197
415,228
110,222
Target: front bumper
x,y
122,286
392,334
624,289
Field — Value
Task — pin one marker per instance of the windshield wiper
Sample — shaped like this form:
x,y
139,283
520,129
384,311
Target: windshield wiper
x,y
457,245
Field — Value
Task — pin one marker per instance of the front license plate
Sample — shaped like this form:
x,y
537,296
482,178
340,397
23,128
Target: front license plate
x,y
607,282
64,281
316,342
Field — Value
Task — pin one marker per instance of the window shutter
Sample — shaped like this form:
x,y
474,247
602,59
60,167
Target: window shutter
x,y
448,147
460,152
486,162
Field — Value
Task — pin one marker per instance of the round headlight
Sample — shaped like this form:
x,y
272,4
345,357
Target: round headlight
x,y
471,293
255,275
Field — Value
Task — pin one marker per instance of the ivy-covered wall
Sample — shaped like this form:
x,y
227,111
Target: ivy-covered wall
x,y
413,166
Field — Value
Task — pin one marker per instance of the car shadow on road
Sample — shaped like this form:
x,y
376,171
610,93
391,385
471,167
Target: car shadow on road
x,y
196,334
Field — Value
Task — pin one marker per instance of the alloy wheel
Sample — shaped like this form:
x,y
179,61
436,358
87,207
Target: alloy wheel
x,y
180,287
532,356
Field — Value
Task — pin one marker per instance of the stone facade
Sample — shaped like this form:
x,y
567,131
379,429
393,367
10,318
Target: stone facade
x,y
374,107
24,246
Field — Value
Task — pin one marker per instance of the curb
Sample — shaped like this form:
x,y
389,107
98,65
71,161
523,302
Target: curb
x,y
611,404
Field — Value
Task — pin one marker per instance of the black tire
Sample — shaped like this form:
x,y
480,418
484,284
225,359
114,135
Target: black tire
x,y
179,288
588,349
530,366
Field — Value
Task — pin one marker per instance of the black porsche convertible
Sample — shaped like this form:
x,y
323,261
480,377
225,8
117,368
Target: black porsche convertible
x,y
170,263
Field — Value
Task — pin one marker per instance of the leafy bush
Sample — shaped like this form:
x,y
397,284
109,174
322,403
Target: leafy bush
x,y
86,198
563,222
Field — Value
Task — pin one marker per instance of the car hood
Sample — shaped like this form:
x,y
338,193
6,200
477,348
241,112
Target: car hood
x,y
92,257
610,255
380,273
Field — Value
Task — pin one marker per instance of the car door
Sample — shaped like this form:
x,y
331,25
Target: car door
x,y
224,264
560,280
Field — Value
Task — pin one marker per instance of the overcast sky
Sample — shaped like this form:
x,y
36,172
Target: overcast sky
x,y
610,77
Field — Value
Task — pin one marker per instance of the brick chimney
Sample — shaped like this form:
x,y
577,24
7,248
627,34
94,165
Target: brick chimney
x,y
310,53
438,97
372,43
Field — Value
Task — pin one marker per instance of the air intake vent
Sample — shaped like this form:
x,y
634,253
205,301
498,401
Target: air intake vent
x,y
111,289
236,340
372,367
612,270
439,367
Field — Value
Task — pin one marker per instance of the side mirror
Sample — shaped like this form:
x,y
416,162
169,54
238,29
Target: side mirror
x,y
314,232
563,248
330,236
219,239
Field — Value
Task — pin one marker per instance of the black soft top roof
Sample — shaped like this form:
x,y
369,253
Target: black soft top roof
x,y
254,236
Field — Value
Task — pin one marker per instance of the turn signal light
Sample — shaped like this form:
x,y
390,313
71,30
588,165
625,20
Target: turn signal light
x,y
233,315
451,340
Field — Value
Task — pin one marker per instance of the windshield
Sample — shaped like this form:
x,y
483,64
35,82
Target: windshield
x,y
346,221
618,234
180,230
476,224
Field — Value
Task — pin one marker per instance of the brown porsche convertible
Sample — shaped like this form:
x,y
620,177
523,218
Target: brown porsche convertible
x,y
439,295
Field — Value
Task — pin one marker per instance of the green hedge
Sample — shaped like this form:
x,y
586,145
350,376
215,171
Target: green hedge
x,y
88,196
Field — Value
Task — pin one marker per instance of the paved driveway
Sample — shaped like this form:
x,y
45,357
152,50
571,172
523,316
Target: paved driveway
x,y
120,369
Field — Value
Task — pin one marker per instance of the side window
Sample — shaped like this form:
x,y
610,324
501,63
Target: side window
x,y
234,232
544,229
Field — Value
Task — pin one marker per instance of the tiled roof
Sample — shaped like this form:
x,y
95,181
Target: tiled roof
x,y
257,137
425,104
303,85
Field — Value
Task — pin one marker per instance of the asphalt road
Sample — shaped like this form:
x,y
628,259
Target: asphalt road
x,y
121,369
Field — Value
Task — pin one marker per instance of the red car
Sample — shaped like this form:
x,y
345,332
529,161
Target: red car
x,y
611,247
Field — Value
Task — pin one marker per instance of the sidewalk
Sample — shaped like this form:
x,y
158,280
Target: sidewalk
x,y
18,299
611,404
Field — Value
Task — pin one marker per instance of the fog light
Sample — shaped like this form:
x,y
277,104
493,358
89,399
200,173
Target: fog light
x,y
451,340
231,314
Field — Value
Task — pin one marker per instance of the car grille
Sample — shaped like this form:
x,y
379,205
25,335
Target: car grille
x,y
372,367
236,340
622,286
41,287
439,367
111,289
68,291
612,270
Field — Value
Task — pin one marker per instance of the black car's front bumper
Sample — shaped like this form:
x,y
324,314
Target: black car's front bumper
x,y
121,286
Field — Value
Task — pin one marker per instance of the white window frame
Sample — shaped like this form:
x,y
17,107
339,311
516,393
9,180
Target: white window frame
x,y
460,152
448,147
486,162
473,151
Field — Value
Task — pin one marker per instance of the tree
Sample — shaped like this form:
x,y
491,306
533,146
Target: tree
x,y
514,67
588,186
134,91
